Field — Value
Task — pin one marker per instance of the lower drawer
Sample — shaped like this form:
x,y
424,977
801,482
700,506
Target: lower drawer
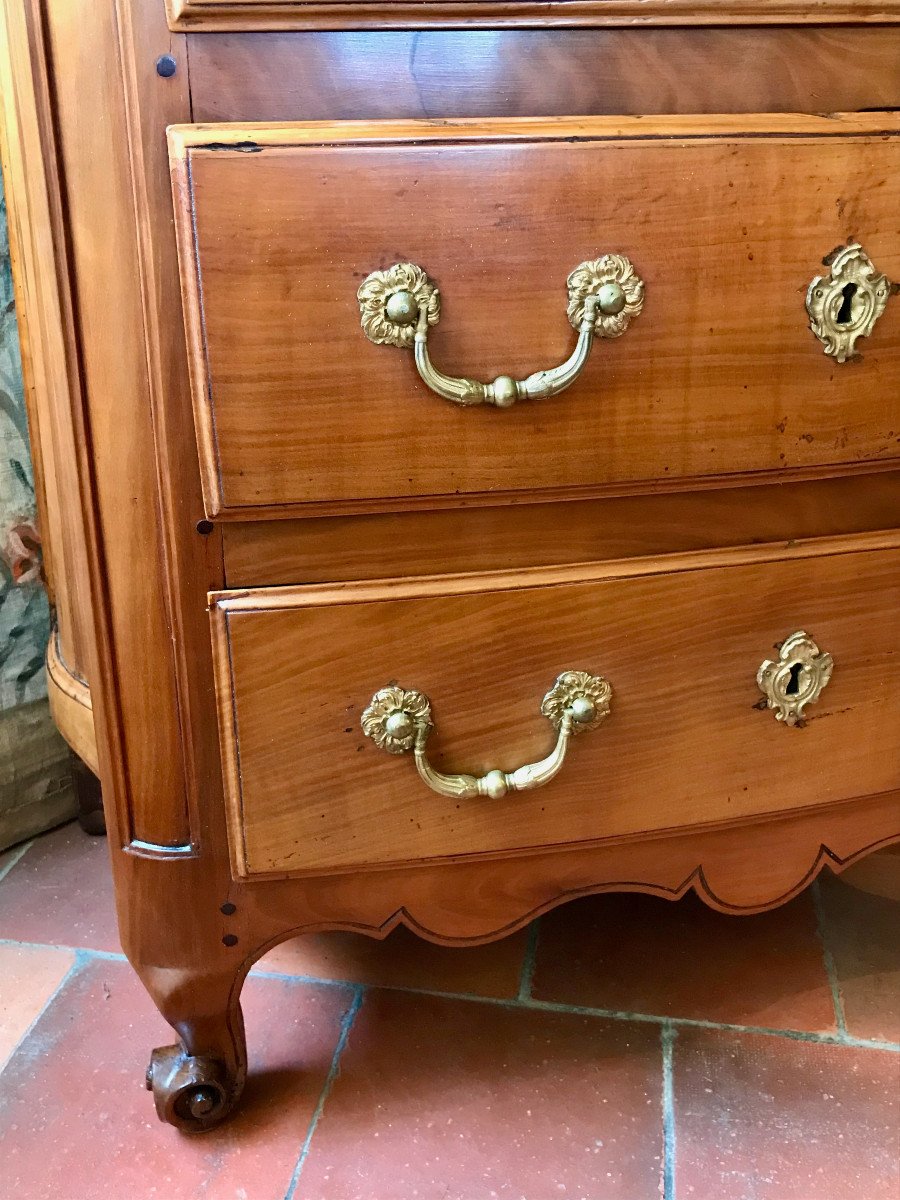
x,y
688,740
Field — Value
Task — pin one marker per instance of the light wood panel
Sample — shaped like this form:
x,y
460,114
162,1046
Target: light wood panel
x,y
686,743
143,774
435,73
190,562
354,14
726,219
498,536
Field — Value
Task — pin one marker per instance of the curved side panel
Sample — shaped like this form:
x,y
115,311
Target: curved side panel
x,y
70,706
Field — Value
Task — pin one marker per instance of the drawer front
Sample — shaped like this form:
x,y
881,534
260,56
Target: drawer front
x,y
726,221
688,740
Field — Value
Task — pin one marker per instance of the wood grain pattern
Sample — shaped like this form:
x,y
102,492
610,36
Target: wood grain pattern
x,y
190,563
436,73
742,868
189,927
718,375
100,230
681,649
211,15
497,536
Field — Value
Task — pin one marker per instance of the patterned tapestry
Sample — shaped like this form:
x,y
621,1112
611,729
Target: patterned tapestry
x,y
35,773
24,611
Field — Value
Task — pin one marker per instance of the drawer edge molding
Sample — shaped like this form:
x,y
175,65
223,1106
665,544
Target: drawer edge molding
x,y
294,596
453,502
247,15
257,136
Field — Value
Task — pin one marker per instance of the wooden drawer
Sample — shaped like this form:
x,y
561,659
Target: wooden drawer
x,y
726,220
686,743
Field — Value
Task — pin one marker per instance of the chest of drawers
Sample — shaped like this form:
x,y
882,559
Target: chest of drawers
x,y
471,459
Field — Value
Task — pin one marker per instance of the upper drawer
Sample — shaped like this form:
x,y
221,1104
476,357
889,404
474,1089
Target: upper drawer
x,y
726,220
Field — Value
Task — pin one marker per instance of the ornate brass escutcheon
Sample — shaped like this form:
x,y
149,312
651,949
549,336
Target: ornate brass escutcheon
x,y
398,307
845,304
796,679
399,720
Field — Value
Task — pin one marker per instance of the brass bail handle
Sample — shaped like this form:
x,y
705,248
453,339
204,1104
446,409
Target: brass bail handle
x,y
399,306
399,720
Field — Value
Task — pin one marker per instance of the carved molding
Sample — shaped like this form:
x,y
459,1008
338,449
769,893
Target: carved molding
x,y
217,15
742,869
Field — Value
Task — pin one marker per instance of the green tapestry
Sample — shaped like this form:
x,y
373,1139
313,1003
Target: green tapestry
x,y
24,611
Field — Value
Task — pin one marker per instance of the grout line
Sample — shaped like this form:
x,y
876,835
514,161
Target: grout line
x,y
528,961
668,1035
85,951
795,1035
531,1005
606,1014
74,969
16,855
828,960
346,1025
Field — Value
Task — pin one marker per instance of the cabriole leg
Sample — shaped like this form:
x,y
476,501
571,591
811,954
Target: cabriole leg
x,y
197,1082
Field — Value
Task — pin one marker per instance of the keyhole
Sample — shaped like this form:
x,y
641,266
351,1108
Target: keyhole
x,y
793,684
845,312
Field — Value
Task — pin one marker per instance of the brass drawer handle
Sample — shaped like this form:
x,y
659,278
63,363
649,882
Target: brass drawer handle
x,y
398,306
398,720
796,679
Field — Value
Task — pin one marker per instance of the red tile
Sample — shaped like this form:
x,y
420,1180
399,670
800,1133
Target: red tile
x,y
861,931
404,960
29,975
634,953
76,1122
60,893
771,1118
468,1101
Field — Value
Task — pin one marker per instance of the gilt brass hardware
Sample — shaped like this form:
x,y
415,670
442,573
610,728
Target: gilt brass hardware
x,y
398,307
399,720
796,679
845,304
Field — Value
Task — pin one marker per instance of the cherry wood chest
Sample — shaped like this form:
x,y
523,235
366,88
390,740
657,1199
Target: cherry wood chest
x,y
469,436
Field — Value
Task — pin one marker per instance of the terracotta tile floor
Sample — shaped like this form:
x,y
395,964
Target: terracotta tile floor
x,y
622,1048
